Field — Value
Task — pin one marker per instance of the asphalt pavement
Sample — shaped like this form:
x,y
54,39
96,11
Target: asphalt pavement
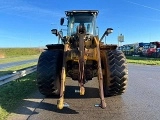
x,y
141,101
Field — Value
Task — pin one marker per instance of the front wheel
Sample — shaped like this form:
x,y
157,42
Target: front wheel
x,y
115,72
48,72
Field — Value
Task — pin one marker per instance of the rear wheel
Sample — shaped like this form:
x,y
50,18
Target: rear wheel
x,y
48,72
115,72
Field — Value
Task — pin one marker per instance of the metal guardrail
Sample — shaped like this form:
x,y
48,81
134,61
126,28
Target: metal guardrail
x,y
15,75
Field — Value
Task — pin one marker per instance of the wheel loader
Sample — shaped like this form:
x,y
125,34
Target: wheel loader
x,y
81,55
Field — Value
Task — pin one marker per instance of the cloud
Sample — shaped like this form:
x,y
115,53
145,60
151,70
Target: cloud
x,y
24,9
145,6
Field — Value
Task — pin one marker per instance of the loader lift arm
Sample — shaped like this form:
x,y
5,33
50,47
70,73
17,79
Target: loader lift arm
x,y
81,61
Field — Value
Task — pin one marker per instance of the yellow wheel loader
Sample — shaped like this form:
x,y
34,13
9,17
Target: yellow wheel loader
x,y
81,55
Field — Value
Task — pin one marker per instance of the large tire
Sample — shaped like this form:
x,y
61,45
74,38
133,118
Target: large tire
x,y
115,72
48,72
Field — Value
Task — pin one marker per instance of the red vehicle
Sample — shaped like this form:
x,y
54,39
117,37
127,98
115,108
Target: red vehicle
x,y
153,49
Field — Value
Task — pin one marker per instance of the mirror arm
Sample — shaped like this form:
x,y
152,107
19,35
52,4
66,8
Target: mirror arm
x,y
60,36
105,33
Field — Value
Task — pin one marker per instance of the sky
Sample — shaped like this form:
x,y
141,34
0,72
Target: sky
x,y
28,23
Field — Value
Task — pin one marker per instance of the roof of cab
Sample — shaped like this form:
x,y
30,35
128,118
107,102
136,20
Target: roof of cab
x,y
71,12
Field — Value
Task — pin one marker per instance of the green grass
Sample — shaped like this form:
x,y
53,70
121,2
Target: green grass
x,y
18,54
12,69
18,58
13,93
143,60
10,52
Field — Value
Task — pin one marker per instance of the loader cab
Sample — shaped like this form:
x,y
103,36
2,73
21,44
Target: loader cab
x,y
78,18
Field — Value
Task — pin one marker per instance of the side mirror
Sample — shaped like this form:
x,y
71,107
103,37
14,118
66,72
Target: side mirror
x,y
61,21
54,31
108,31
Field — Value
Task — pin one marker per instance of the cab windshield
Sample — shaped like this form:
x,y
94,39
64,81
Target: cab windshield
x,y
75,21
